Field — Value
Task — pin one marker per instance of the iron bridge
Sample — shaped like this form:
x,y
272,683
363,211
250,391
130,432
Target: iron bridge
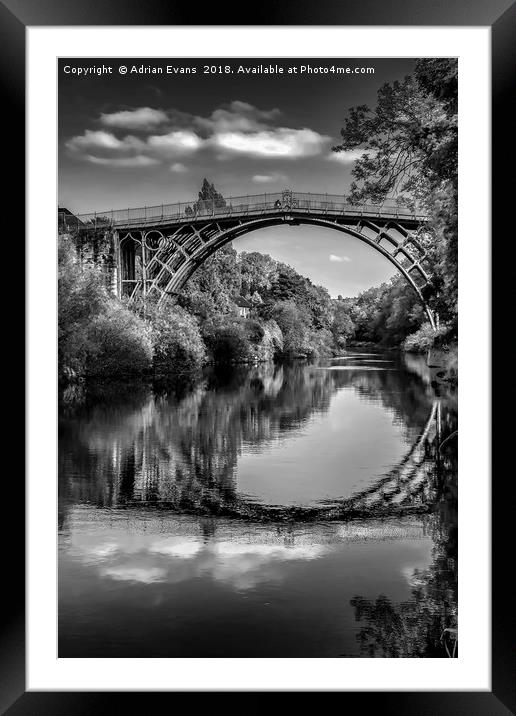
x,y
158,248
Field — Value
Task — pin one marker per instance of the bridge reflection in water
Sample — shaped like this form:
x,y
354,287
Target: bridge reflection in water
x,y
185,453
165,522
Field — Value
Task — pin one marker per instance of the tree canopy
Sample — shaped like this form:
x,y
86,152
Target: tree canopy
x,y
209,197
409,151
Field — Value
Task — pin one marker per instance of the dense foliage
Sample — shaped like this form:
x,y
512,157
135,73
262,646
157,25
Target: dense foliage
x,y
385,314
177,342
409,149
97,335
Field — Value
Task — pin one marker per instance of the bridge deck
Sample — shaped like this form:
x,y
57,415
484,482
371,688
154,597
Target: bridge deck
x,y
236,207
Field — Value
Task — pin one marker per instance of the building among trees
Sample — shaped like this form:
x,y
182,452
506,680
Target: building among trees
x,y
243,306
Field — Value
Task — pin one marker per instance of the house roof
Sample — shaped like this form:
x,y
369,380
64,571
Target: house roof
x,y
242,302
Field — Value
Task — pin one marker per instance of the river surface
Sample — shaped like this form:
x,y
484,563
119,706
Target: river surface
x,y
270,511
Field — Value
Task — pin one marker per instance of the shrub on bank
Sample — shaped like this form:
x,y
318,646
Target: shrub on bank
x,y
271,343
321,344
425,338
81,296
177,343
227,340
293,323
231,339
97,335
119,343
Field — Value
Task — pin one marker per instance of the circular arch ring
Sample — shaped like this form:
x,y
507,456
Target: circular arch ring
x,y
179,279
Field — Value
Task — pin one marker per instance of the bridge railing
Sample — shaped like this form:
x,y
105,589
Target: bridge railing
x,y
235,206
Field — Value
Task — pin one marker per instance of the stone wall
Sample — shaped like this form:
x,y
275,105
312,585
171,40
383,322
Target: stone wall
x,y
96,249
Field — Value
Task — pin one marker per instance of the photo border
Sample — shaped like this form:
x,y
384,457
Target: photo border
x,y
13,22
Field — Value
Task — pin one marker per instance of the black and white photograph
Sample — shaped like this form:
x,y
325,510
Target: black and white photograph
x,y
257,357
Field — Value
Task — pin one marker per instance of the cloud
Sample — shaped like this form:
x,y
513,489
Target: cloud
x,y
140,118
238,116
129,573
139,160
270,551
236,129
178,168
95,140
151,557
338,259
100,147
280,142
176,142
244,565
269,178
177,547
346,157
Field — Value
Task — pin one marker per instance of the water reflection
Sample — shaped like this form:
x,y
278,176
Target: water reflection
x,y
270,436
163,586
348,541
426,624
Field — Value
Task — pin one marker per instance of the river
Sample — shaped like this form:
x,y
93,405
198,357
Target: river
x,y
270,511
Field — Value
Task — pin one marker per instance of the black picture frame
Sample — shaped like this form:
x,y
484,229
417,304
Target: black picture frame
x,y
500,15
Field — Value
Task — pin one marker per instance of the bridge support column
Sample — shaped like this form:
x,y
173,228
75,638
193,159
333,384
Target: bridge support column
x,y
116,275
431,317
144,266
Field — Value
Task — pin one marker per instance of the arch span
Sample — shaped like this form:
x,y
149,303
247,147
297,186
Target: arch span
x,y
177,282
159,260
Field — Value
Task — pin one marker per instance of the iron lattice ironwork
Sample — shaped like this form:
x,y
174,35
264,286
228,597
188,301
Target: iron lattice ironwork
x,y
158,248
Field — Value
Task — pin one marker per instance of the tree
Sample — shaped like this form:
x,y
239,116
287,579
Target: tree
x,y
409,149
213,286
177,341
342,327
320,305
294,325
384,314
409,141
209,198
258,272
81,296
119,343
227,339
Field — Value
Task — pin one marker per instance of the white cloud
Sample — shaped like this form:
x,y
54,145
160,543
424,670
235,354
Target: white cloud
x,y
345,157
271,551
280,142
181,141
140,118
182,548
102,140
338,259
236,129
128,573
237,117
269,178
100,147
139,160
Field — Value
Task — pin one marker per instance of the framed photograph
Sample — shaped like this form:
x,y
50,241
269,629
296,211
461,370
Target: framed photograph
x,y
258,355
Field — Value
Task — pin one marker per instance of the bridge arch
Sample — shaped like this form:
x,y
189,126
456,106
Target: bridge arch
x,y
180,278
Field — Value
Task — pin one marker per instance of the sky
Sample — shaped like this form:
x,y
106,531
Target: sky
x,y
149,137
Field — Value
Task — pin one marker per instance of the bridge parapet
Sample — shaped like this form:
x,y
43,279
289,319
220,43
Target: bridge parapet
x,y
240,206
